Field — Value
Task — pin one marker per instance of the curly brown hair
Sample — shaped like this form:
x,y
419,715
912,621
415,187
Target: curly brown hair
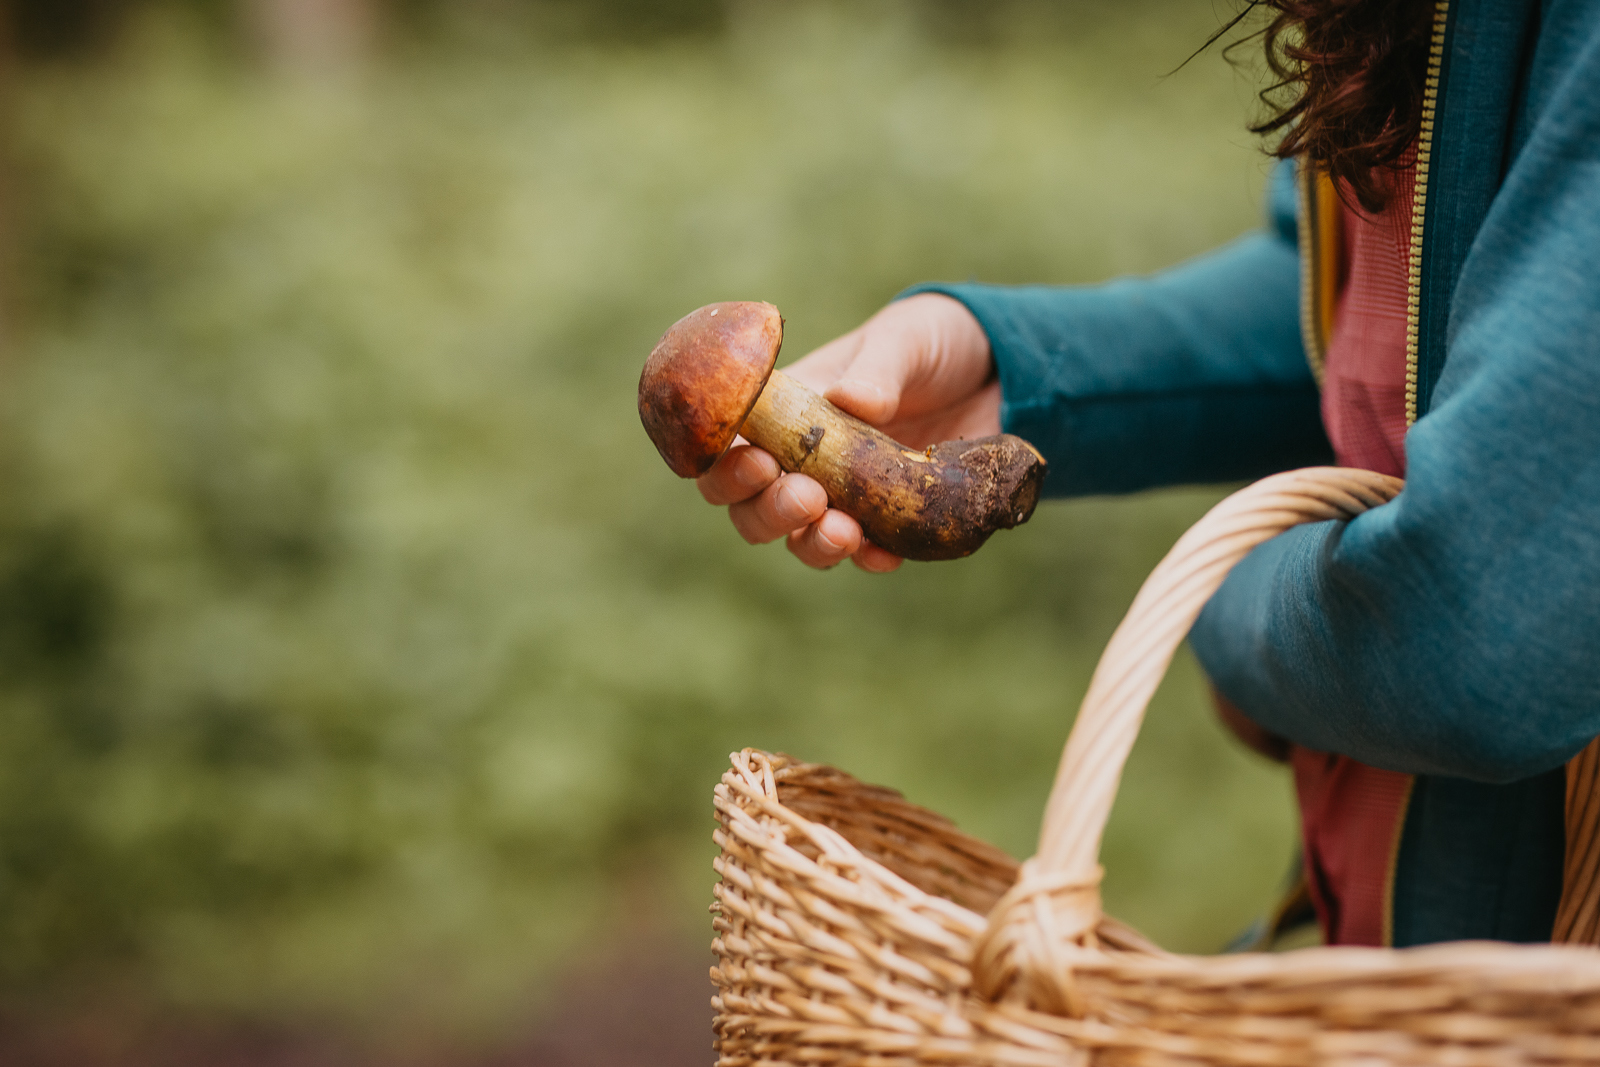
x,y
1347,88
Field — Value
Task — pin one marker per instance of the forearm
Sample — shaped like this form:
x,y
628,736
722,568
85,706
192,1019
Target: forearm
x,y
1195,374
1456,631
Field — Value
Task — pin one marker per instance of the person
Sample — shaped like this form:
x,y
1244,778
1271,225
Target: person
x,y
1425,301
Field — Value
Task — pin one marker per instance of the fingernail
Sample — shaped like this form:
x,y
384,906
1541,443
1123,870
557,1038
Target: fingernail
x,y
826,541
788,505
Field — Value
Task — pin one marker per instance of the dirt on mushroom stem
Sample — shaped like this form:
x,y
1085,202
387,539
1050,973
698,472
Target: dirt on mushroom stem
x,y
940,503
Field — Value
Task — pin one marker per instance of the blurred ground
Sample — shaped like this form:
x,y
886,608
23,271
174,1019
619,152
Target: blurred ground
x,y
639,1004
359,660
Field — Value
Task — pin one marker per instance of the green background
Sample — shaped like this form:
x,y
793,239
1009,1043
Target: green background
x,y
360,660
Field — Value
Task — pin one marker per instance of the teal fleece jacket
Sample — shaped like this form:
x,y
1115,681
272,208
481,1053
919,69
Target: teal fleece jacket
x,y
1455,633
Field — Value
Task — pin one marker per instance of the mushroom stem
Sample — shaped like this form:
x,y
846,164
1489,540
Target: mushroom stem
x,y
941,503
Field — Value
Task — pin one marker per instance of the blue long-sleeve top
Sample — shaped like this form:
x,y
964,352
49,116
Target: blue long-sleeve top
x,y
1454,633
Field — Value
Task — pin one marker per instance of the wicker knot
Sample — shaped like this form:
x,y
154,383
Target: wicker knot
x,y
1034,931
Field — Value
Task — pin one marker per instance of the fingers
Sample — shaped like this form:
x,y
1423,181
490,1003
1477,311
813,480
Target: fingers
x,y
887,357
829,541
921,369
924,354
788,504
766,504
865,394
916,358
821,367
835,538
739,474
869,557
864,371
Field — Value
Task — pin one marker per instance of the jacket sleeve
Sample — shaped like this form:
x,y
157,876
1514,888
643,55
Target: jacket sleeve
x,y
1195,374
1456,631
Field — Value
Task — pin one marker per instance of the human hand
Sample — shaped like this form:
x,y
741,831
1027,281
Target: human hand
x,y
920,370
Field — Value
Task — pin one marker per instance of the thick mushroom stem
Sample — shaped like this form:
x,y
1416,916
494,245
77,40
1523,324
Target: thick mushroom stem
x,y
942,503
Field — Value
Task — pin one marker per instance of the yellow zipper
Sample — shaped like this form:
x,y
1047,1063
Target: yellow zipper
x,y
1393,866
1419,212
1419,203
1319,262
1310,327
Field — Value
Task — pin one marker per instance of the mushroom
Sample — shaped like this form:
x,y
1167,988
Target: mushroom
x,y
711,378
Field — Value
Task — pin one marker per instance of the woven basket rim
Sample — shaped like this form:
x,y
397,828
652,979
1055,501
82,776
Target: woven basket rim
x,y
829,956
1541,962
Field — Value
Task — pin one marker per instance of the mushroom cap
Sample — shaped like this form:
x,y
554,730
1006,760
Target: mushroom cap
x,y
702,379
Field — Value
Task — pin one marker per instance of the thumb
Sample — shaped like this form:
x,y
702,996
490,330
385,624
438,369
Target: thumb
x,y
870,385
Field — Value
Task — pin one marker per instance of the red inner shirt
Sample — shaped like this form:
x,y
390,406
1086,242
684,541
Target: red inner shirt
x,y
1350,813
1364,377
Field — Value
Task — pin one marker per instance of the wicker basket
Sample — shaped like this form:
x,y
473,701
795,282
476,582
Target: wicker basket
x,y
855,928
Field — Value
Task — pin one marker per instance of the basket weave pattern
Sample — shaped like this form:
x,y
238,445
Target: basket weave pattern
x,y
856,928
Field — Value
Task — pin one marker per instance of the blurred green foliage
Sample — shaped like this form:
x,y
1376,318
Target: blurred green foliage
x,y
356,649
58,28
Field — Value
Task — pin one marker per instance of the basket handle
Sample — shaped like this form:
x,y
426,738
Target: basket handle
x,y
1056,902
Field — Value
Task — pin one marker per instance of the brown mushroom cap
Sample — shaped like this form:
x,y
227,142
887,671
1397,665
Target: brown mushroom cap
x,y
702,379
